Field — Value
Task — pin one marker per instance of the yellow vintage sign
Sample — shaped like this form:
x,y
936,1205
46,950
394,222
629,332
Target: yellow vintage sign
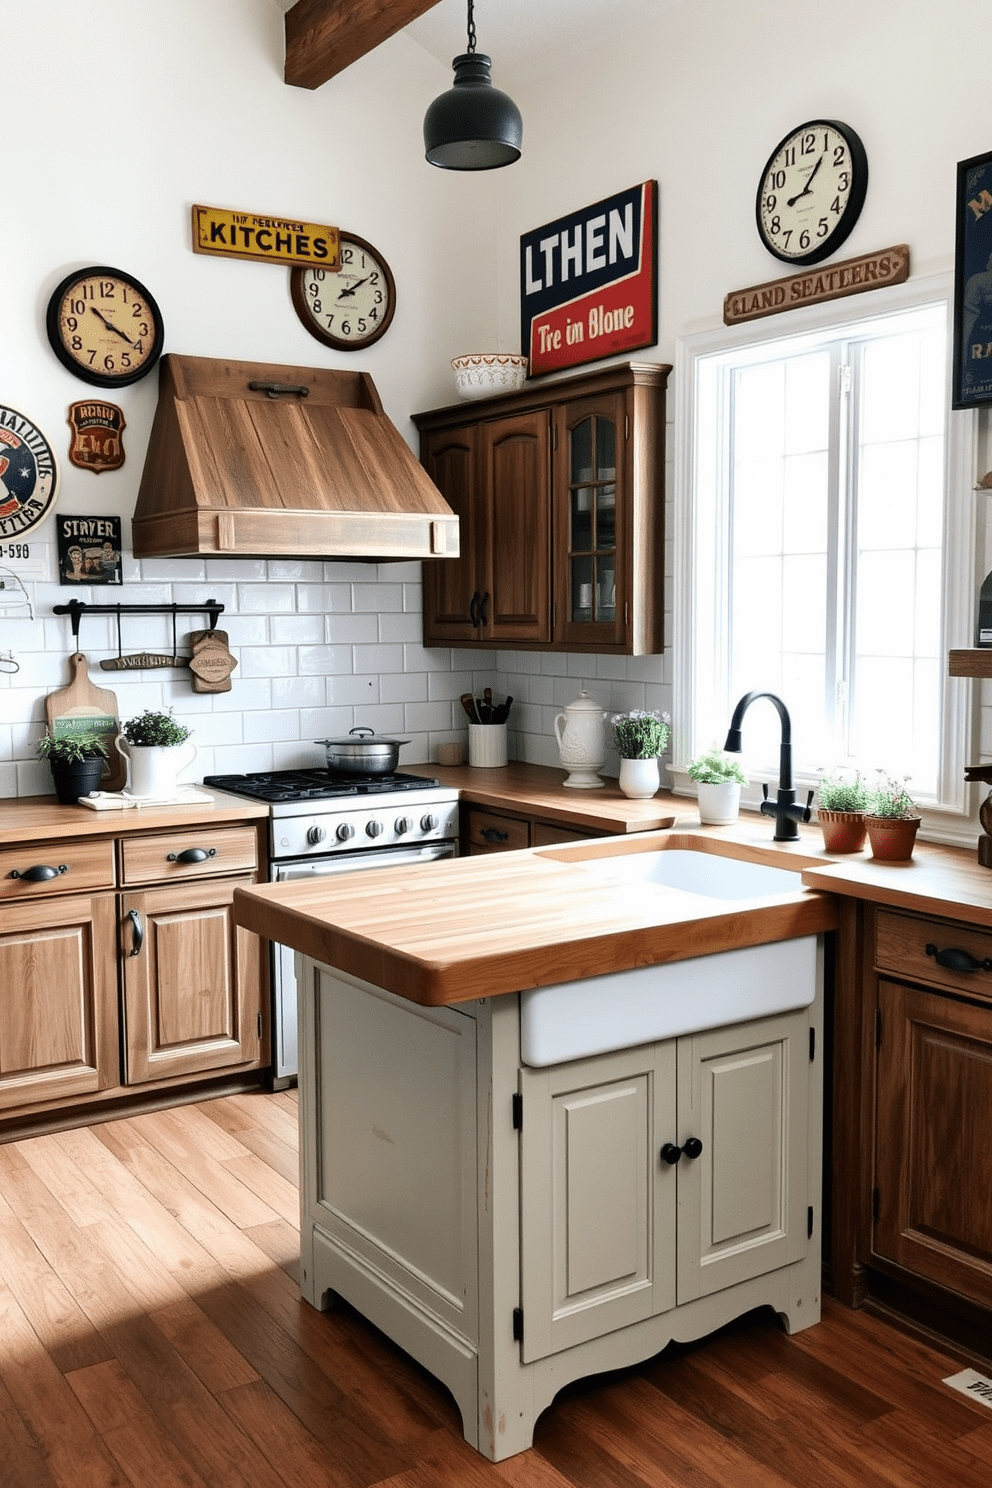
x,y
282,240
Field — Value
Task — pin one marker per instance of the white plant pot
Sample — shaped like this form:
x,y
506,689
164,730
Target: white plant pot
x,y
719,805
639,778
153,770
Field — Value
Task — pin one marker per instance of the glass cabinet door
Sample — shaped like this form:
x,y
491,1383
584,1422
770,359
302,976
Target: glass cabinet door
x,y
590,552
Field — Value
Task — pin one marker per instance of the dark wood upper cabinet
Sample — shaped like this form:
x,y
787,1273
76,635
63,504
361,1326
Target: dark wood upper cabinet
x,y
559,491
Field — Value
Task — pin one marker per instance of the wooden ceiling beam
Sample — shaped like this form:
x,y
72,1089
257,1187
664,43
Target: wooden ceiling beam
x,y
323,37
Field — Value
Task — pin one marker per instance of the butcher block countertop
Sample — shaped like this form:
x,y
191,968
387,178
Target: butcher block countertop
x,y
43,818
537,790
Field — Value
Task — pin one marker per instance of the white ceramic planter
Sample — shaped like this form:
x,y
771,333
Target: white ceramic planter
x,y
719,805
153,770
639,778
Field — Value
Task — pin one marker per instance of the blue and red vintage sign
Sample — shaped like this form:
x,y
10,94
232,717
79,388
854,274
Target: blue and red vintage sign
x,y
589,282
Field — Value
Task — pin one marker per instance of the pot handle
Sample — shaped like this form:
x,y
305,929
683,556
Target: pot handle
x,y
362,730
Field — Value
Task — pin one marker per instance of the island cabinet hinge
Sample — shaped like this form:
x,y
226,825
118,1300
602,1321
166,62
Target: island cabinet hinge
x,y
876,1200
518,1111
809,1221
518,1325
812,1045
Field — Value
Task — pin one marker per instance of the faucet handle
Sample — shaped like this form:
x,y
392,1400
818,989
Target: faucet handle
x,y
764,789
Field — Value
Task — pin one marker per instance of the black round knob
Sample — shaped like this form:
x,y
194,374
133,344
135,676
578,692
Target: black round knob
x,y
692,1147
402,825
670,1154
345,830
315,835
373,828
428,823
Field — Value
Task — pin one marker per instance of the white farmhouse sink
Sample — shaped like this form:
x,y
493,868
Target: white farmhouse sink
x,y
574,1020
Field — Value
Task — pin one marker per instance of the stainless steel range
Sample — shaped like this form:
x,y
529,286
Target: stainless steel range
x,y
322,824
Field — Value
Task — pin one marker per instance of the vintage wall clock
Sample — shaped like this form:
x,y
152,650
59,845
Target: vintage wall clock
x,y
351,308
105,326
811,191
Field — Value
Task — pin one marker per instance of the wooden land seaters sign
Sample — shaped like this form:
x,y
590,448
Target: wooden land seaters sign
x,y
265,239
813,286
588,282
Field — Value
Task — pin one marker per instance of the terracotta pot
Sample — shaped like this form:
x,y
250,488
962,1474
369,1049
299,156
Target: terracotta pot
x,y
843,831
892,838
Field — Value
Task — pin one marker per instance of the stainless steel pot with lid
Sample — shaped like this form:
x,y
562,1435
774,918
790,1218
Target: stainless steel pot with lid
x,y
362,752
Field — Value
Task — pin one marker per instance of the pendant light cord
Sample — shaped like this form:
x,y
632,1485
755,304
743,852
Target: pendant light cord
x,y
471,26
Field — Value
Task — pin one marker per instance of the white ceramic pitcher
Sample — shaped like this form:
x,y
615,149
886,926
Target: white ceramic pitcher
x,y
581,734
153,769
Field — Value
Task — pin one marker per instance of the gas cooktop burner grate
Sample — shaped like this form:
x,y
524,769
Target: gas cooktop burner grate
x,y
315,785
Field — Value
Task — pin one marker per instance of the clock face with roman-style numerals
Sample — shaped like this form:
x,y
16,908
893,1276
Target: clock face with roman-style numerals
x,y
811,191
105,326
350,308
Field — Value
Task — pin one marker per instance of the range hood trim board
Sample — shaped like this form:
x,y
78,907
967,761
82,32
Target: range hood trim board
x,y
233,472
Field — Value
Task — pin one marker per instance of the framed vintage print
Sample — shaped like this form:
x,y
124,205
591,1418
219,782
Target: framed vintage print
x,y
972,379
89,550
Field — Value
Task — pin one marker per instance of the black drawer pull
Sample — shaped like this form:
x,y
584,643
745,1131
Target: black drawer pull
x,y
192,855
957,960
490,834
40,873
139,934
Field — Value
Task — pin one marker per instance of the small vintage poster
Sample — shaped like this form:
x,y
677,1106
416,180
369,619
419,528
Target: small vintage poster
x,y
589,282
973,284
89,550
96,435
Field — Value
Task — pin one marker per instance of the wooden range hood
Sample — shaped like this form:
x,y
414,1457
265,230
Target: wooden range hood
x,y
255,459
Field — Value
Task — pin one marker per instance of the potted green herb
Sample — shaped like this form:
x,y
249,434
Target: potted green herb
x,y
152,745
719,777
893,820
840,811
77,762
639,738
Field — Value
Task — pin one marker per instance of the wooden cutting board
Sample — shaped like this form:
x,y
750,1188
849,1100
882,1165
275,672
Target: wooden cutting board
x,y
80,706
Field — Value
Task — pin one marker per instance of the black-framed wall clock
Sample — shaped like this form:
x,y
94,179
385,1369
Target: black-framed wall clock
x,y
105,326
351,308
811,191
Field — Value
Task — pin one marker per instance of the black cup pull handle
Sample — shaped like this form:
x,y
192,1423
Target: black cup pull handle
x,y
485,608
957,960
138,937
490,834
192,855
40,873
473,610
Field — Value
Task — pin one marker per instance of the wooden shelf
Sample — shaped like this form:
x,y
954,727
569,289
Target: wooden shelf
x,y
974,661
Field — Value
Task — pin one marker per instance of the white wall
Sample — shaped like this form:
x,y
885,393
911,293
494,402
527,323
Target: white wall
x,y
110,158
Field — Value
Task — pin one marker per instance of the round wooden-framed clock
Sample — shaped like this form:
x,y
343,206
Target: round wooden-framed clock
x,y
105,326
811,191
351,307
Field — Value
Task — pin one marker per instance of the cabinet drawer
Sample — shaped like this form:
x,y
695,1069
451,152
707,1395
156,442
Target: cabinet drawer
x,y
79,865
208,851
490,831
901,943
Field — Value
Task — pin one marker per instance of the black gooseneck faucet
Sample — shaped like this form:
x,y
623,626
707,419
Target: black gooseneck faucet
x,y
784,809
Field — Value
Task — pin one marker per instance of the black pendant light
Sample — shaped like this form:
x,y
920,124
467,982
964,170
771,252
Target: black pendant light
x,y
473,126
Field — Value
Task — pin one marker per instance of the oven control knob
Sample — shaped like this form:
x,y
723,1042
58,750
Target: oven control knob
x,y
345,830
428,823
315,835
401,825
374,828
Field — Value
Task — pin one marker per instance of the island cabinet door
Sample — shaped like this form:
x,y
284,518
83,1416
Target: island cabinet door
x,y
58,1000
743,1173
933,1153
192,982
598,1207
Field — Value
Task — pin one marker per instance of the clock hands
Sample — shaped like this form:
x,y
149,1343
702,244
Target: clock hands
x,y
111,327
809,181
356,285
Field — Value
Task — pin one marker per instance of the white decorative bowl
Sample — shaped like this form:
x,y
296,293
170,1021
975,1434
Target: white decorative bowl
x,y
481,374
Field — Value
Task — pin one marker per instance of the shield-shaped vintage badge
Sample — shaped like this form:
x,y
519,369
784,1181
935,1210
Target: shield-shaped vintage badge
x,y
97,435
29,475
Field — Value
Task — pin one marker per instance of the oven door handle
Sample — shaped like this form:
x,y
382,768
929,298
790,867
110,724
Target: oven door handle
x,y
359,862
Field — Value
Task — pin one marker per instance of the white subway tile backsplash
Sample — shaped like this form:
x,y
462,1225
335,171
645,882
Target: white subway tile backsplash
x,y
378,659
283,725
374,598
400,627
267,598
296,630
298,692
403,687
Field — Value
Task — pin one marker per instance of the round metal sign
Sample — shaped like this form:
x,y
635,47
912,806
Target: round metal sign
x,y
29,474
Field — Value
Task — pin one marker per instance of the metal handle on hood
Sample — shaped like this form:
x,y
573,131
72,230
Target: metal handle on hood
x,y
278,389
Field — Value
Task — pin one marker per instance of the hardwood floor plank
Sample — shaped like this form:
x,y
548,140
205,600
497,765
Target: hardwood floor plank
x,y
281,1243
202,1347
168,1135
280,1155
146,1456
296,1456
23,1460
271,1187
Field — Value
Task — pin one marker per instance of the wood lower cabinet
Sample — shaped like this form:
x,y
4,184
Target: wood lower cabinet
x,y
486,830
559,492
105,987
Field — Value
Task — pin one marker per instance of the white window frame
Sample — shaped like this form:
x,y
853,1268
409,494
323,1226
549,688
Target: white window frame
x,y
950,817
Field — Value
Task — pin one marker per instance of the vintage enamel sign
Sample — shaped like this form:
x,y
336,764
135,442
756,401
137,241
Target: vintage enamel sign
x,y
588,282
266,239
29,474
96,443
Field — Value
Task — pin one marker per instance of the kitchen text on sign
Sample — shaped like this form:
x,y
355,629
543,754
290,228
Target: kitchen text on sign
x,y
281,240
853,276
588,282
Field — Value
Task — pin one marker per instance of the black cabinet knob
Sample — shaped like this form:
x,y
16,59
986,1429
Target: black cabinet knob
x,y
670,1154
692,1147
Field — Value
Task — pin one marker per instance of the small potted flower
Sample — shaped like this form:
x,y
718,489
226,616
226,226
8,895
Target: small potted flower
x,y
840,811
719,777
77,762
892,819
151,744
639,738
